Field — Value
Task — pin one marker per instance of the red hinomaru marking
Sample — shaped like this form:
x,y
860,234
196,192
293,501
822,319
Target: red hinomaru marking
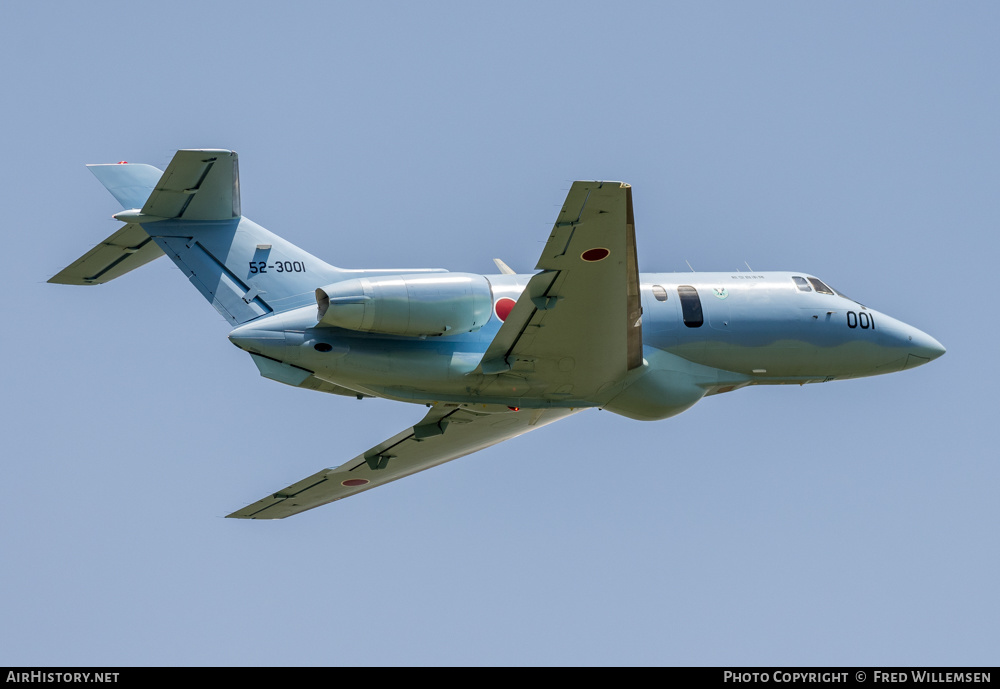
x,y
503,307
351,482
123,162
598,254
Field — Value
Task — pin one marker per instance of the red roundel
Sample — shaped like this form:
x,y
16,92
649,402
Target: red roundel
x,y
351,482
503,307
598,254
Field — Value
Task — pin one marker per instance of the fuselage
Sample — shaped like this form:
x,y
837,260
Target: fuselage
x,y
702,333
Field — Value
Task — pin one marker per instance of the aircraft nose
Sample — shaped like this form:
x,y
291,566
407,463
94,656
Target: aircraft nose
x,y
921,348
923,345
903,345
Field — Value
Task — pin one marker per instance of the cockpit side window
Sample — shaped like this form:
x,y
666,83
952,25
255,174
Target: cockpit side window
x,y
820,287
691,306
659,293
802,284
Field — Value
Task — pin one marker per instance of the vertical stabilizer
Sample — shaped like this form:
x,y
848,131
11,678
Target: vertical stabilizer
x,y
241,268
194,215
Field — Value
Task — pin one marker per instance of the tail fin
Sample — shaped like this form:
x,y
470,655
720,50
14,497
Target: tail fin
x,y
192,213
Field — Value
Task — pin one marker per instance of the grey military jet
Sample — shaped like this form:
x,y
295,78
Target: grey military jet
x,y
492,356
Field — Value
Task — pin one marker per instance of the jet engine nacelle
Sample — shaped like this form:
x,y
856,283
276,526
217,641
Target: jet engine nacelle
x,y
412,305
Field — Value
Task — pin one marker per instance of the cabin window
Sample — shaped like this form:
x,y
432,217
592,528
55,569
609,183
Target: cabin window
x,y
820,287
659,293
691,306
802,283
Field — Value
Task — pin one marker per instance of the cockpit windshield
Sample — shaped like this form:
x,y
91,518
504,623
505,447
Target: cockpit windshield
x,y
808,284
820,286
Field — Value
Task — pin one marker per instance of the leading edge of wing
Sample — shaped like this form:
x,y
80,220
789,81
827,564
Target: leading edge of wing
x,y
444,434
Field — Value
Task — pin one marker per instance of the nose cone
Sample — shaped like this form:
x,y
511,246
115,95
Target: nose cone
x,y
902,345
921,348
926,346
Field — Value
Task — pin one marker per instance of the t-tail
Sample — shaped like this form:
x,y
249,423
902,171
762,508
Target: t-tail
x,y
191,212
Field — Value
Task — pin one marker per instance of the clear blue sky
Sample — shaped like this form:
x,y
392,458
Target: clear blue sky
x,y
847,523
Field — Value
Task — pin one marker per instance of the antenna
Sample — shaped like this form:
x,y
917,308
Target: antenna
x,y
504,268
748,266
689,265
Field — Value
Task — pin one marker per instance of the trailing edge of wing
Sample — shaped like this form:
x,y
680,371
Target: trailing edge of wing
x,y
442,435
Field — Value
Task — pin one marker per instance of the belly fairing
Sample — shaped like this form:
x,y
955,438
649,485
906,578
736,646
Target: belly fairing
x,y
667,384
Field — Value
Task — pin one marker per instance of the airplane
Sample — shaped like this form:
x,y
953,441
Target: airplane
x,y
491,356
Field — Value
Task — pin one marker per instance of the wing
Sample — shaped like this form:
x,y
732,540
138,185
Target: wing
x,y
577,326
444,434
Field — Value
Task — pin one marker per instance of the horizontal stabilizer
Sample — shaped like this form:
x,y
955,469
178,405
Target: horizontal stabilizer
x,y
127,249
197,185
131,184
